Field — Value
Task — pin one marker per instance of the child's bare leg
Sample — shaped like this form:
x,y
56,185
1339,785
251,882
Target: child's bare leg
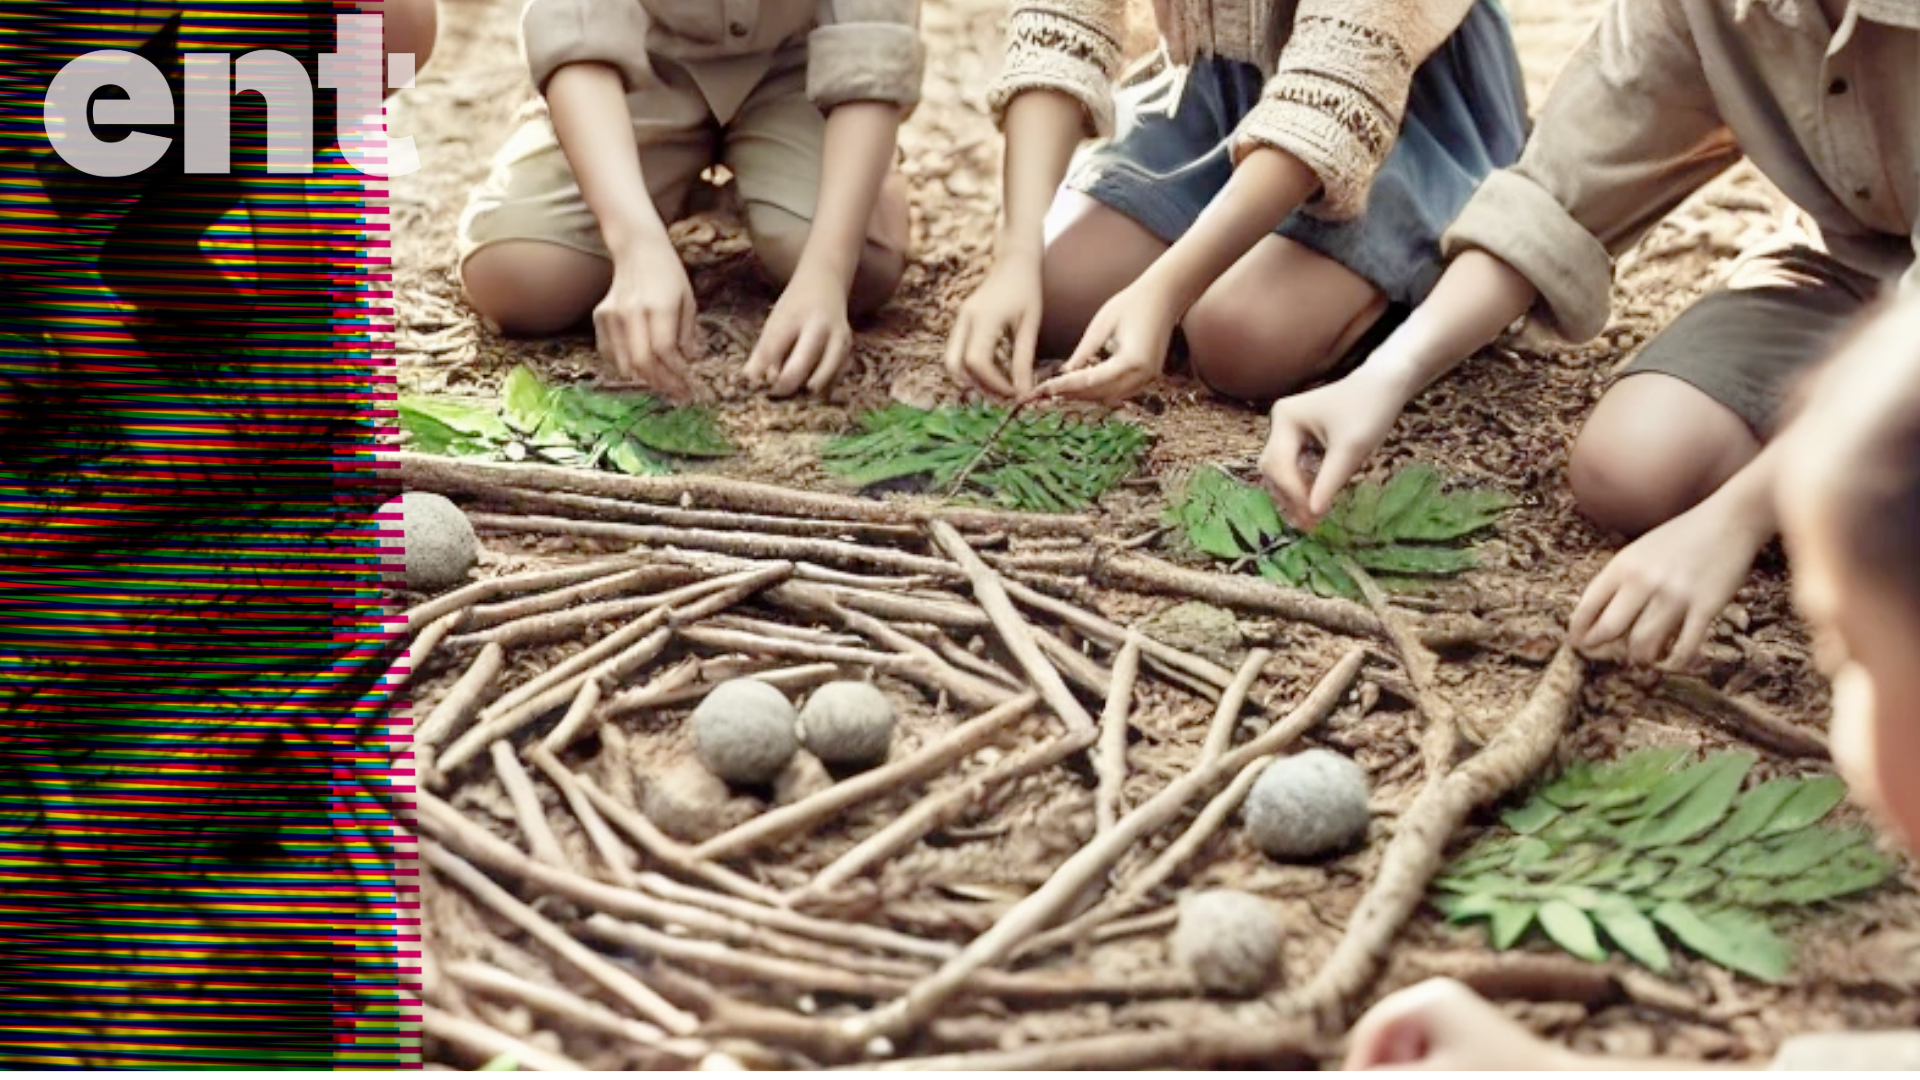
x,y
410,27
534,288
1654,447
780,238
1283,315
1093,252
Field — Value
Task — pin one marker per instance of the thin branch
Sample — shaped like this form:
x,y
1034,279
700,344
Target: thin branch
x,y
940,754
1226,715
1422,669
573,1009
614,584
1745,719
487,1043
1079,668
521,500
815,596
760,645
855,935
1015,632
1113,634
510,585
587,698
935,672
1110,764
618,856
678,686
526,807
564,625
457,707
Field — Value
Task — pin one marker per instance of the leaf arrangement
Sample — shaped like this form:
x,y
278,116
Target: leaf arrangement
x,y
1045,462
568,424
1656,846
1399,532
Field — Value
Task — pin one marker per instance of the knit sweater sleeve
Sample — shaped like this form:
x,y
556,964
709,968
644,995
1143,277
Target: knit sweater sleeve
x,y
1340,89
1072,46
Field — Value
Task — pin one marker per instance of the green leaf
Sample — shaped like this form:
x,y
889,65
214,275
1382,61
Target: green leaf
x,y
1402,495
1675,787
627,459
1405,559
1755,808
1732,939
1570,929
523,401
1532,817
465,416
503,1063
682,432
1795,853
1815,800
1702,807
1852,871
1633,932
1510,921
1684,885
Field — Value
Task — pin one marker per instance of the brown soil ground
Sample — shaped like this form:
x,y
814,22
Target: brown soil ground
x,y
1506,420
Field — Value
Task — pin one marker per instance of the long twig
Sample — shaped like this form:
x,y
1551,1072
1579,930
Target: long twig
x,y
1744,718
617,583
1041,907
457,707
855,935
1112,634
808,812
573,1009
816,596
935,811
447,475
1110,764
407,664
585,700
934,671
510,585
522,500
1226,715
618,857
761,645
526,806
1289,1045
676,689
656,1009
484,1042
1077,667
1015,632
1422,669
563,625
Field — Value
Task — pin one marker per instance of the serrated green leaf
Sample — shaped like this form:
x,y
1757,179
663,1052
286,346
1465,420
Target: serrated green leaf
x,y
1633,932
1532,817
1402,495
625,457
683,432
1684,885
1570,929
1732,939
1703,807
1756,807
1510,921
426,434
1816,799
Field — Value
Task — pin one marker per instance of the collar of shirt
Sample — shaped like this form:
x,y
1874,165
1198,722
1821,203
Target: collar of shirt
x,y
1904,14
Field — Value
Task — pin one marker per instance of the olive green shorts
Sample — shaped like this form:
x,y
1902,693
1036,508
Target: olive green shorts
x,y
1779,313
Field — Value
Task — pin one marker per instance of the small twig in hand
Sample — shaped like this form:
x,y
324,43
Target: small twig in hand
x,y
457,707
1111,762
644,1001
987,447
572,1008
941,754
484,1042
526,806
1015,632
1087,865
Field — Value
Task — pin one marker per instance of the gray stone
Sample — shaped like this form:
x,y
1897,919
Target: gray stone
x,y
1229,941
1311,804
744,731
691,804
440,544
847,723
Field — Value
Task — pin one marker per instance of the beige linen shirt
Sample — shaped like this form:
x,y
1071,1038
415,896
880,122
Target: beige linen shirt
x,y
856,50
1667,94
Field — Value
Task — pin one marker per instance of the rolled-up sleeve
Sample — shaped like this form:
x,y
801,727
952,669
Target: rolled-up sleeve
x,y
1628,132
866,50
1340,89
1069,46
555,33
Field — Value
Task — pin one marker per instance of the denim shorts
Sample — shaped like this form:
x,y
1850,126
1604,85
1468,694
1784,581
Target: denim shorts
x,y
1171,153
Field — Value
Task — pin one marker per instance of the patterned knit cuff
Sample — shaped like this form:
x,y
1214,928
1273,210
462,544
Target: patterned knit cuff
x,y
1049,51
555,33
865,62
1307,124
1515,220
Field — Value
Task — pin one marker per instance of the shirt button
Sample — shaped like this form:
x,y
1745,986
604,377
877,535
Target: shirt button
x,y
1837,87
738,29
1863,193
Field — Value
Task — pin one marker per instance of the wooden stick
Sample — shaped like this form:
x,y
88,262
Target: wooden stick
x,y
449,475
484,1042
1745,719
668,851
653,1007
1015,633
815,635
1226,716
951,651
403,668
592,506
815,596
511,584
1421,667
484,616
752,545
526,806
1149,923
854,935
563,625
808,812
457,707
966,689
1073,877
1284,1044
1113,634
664,692
757,645
587,698
1111,762
618,857
935,811
1079,668
573,1009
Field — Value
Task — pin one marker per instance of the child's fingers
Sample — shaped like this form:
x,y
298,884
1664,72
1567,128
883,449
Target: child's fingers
x,y
1622,605
839,350
1088,383
1693,636
776,341
1659,623
1281,464
1026,347
980,365
1337,467
803,359
955,359
689,326
670,367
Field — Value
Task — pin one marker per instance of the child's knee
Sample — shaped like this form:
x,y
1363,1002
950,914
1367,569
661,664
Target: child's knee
x,y
1632,481
780,240
1236,347
526,287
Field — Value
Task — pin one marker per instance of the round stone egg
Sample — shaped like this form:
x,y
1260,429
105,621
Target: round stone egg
x,y
1311,804
1229,941
847,723
691,804
439,545
744,731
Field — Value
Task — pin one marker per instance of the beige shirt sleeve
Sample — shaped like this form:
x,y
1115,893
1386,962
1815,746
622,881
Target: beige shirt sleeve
x,y
1072,46
555,33
1850,1051
1628,132
866,50
1339,92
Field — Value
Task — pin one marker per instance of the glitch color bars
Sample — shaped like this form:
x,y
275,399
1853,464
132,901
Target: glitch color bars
x,y
199,798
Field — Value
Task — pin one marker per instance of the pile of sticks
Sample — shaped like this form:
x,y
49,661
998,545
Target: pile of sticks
x,y
799,588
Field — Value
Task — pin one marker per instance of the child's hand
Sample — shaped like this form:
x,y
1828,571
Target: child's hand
x,y
1657,600
1133,330
647,324
1441,1026
1348,420
1006,304
807,339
